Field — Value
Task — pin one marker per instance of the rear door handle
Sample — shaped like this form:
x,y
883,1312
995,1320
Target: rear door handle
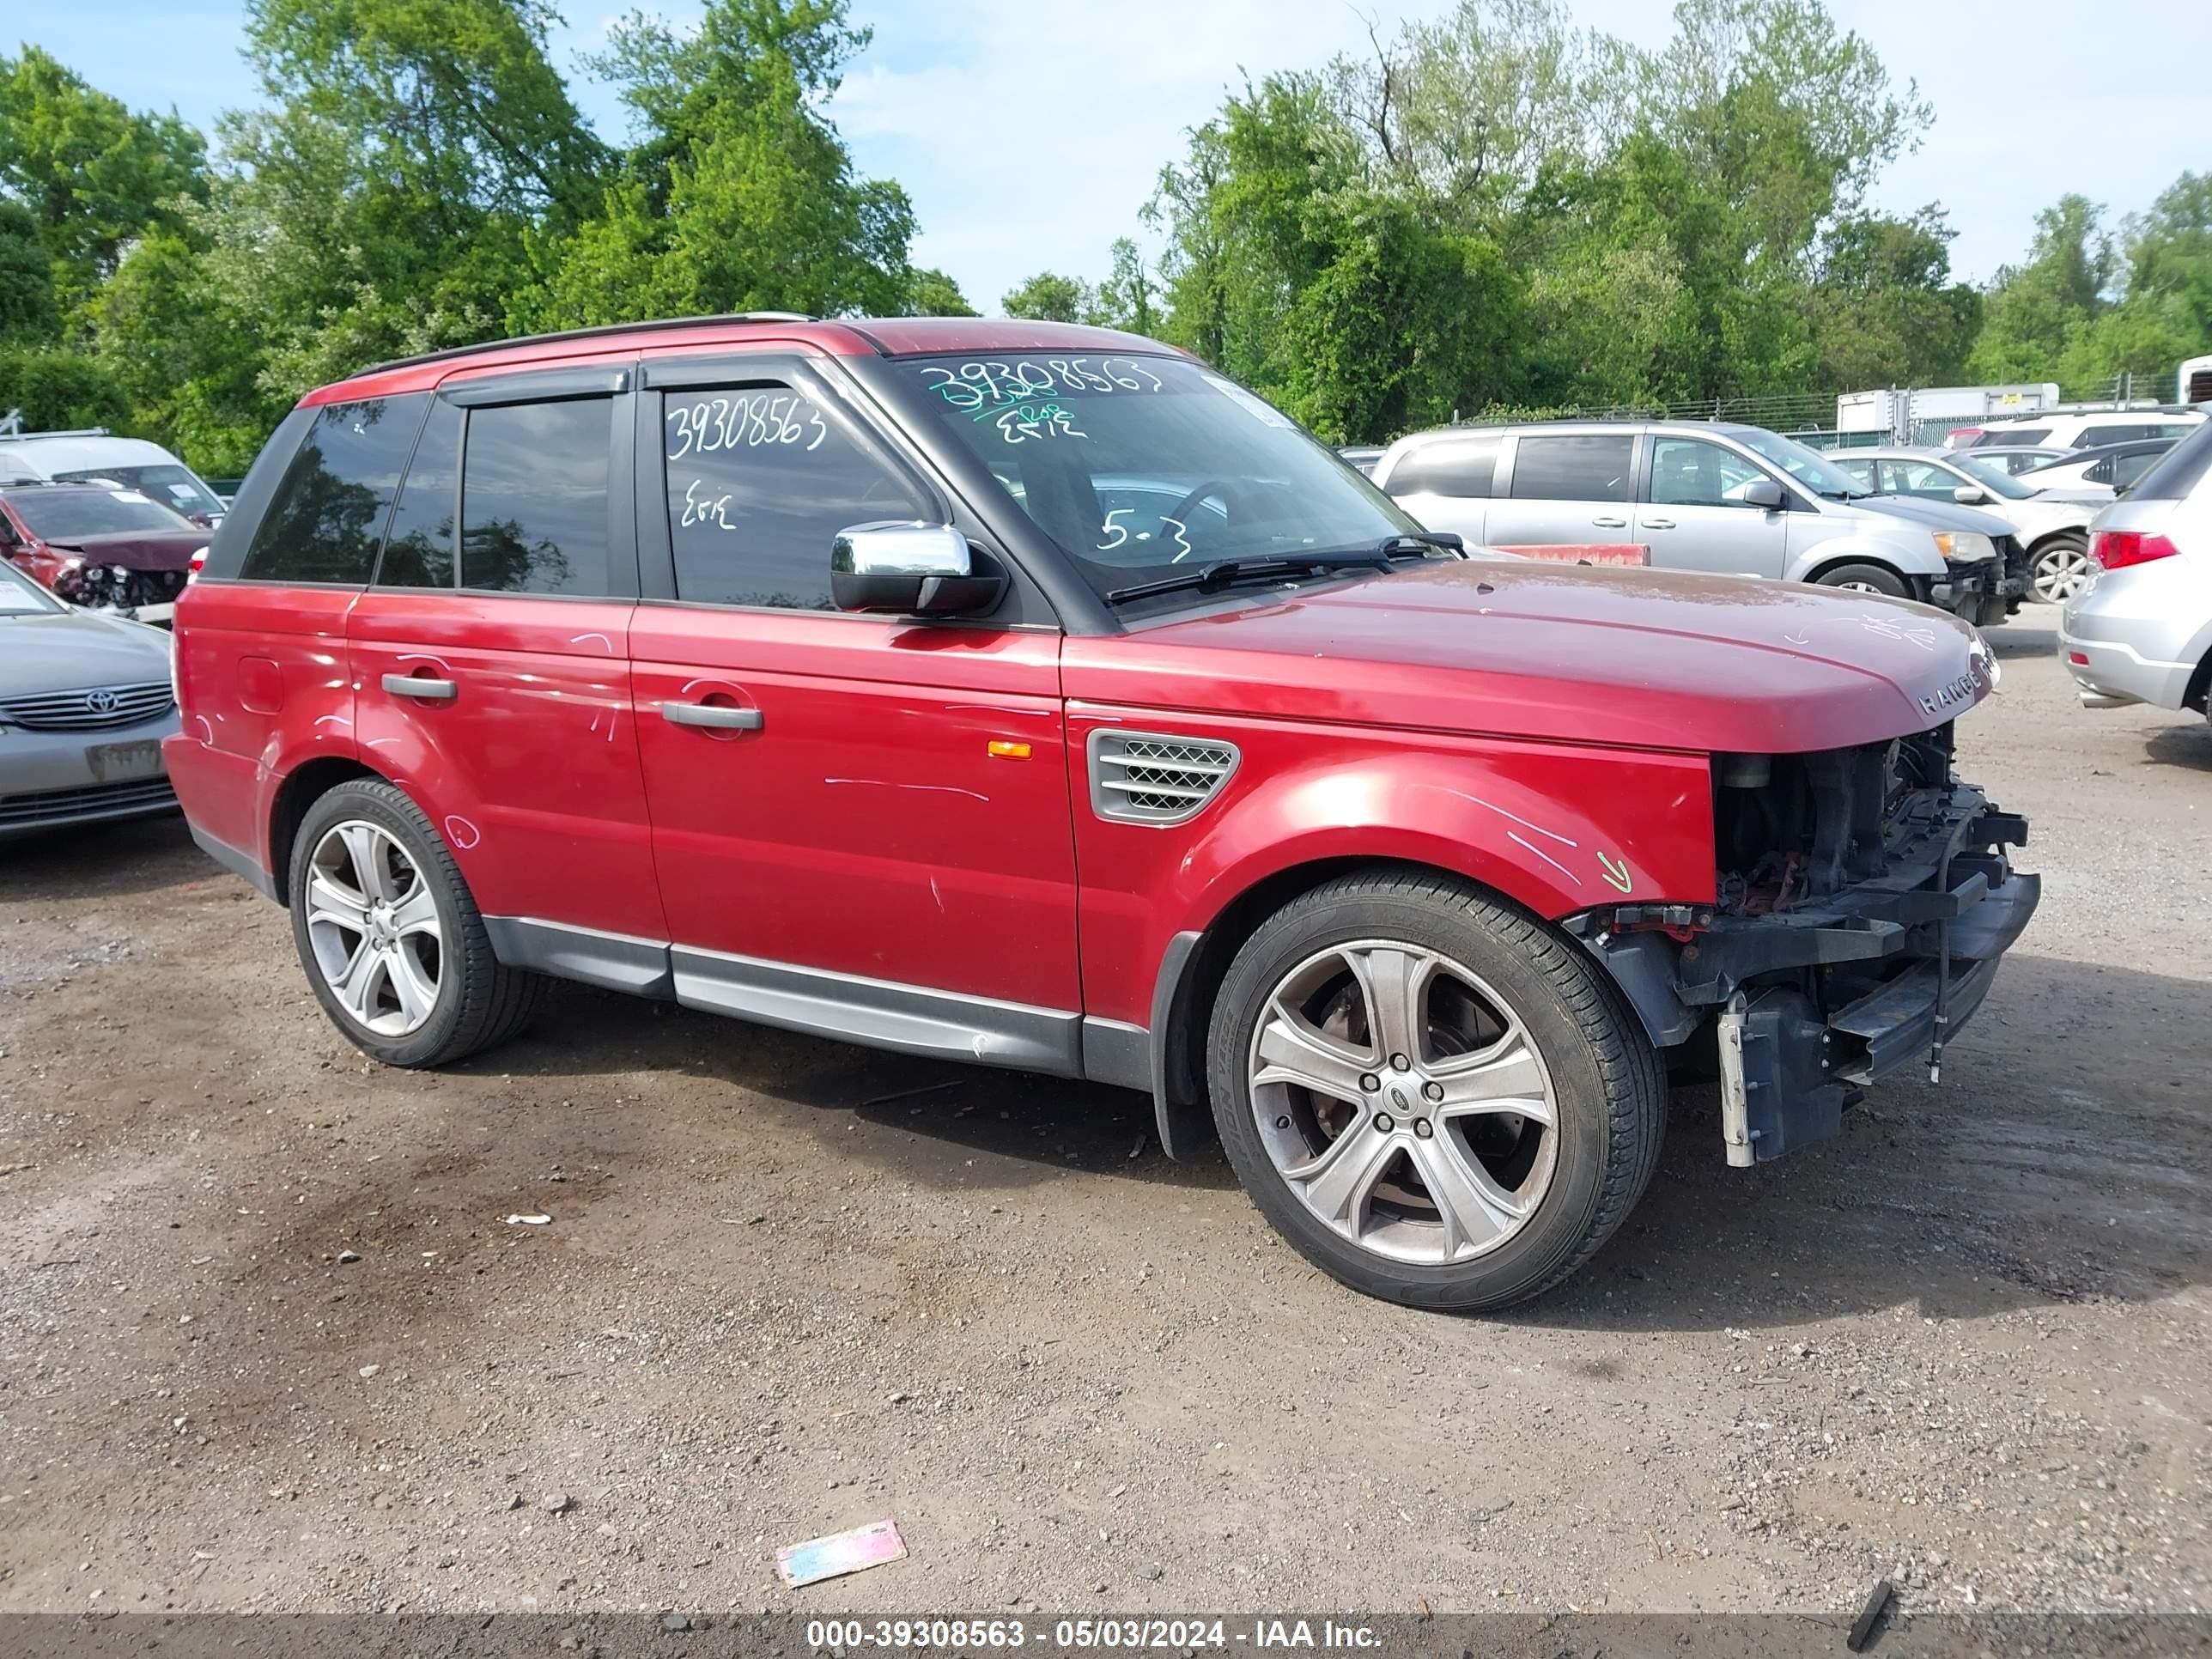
x,y
1658,524
716,715
414,685
1610,523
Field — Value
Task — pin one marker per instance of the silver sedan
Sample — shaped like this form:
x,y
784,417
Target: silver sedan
x,y
85,700
2140,630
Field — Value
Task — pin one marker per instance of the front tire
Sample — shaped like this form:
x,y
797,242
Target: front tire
x,y
2061,569
390,936
1434,1097
1863,578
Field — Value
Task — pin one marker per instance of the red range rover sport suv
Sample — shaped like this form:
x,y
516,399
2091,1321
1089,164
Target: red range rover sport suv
x,y
1032,695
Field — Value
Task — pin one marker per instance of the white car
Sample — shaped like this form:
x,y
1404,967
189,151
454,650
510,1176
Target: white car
x,y
2054,529
2098,475
2092,429
95,456
2140,631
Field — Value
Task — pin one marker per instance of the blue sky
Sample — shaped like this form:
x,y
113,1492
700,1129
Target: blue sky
x,y
2034,98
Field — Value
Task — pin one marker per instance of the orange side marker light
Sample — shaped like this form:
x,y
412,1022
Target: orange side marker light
x,y
1003,749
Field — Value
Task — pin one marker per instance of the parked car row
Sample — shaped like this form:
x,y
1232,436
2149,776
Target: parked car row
x,y
1706,496
2078,429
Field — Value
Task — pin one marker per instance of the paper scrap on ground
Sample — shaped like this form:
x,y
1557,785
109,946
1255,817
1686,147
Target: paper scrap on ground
x,y
528,1220
840,1553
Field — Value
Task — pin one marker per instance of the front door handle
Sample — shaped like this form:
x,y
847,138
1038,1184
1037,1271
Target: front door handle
x,y
417,686
1609,523
1658,524
717,716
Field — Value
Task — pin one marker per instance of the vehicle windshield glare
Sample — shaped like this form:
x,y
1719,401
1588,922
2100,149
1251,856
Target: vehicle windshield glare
x,y
59,514
164,481
20,597
1995,477
1809,466
1145,467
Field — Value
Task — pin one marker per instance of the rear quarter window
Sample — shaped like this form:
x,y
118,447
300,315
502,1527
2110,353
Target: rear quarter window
x,y
326,520
1460,467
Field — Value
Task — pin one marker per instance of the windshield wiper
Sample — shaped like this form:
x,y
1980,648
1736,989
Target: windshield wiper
x,y
1220,573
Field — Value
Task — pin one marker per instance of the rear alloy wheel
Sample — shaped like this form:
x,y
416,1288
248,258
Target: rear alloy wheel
x,y
1433,1097
389,934
372,926
2062,569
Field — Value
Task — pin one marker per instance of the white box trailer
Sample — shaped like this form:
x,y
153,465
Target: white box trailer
x,y
1910,416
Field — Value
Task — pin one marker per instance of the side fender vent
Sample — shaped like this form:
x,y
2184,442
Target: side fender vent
x,y
1151,777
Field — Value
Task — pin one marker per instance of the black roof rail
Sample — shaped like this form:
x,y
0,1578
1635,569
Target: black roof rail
x,y
597,332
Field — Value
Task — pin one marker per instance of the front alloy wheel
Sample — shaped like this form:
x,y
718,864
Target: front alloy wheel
x,y
2062,570
1430,1093
1403,1103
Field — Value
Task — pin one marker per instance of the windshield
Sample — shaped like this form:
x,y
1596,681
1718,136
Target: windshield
x,y
1994,475
20,596
164,481
59,515
1809,466
1146,467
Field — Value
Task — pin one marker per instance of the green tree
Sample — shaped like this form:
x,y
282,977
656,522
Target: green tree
x,y
1884,309
1128,297
2031,310
54,388
27,310
1048,297
455,102
931,293
739,195
93,174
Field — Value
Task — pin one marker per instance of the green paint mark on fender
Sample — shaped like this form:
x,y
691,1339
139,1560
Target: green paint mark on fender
x,y
1616,872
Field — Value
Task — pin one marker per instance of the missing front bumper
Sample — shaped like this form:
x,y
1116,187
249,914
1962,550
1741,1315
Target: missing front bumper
x,y
1833,994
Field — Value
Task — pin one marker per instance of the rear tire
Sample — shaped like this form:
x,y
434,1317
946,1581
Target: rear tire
x,y
1867,579
1342,1136
2060,571
390,935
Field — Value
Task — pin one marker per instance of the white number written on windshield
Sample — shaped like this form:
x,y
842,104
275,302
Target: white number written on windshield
x,y
984,387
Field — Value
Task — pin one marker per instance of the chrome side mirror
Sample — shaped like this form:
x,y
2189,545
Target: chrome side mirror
x,y
909,567
1763,493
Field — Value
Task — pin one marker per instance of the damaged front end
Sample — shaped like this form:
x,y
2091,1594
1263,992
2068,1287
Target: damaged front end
x,y
1864,899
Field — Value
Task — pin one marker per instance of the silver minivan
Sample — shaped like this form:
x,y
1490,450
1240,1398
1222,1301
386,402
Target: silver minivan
x,y
1733,499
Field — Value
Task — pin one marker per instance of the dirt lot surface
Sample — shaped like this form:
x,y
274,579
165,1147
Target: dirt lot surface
x,y
267,1340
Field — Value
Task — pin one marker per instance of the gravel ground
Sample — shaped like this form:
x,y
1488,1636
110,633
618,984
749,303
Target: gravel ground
x,y
267,1341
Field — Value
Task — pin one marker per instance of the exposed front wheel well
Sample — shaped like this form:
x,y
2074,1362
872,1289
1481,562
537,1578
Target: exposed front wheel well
x,y
301,788
1185,1118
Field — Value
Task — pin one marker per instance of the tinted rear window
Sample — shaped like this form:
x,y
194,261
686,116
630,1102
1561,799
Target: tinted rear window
x,y
2177,470
2015,434
534,498
327,517
1592,466
1463,467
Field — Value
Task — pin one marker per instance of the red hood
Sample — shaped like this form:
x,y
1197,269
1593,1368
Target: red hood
x,y
1649,658
135,550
